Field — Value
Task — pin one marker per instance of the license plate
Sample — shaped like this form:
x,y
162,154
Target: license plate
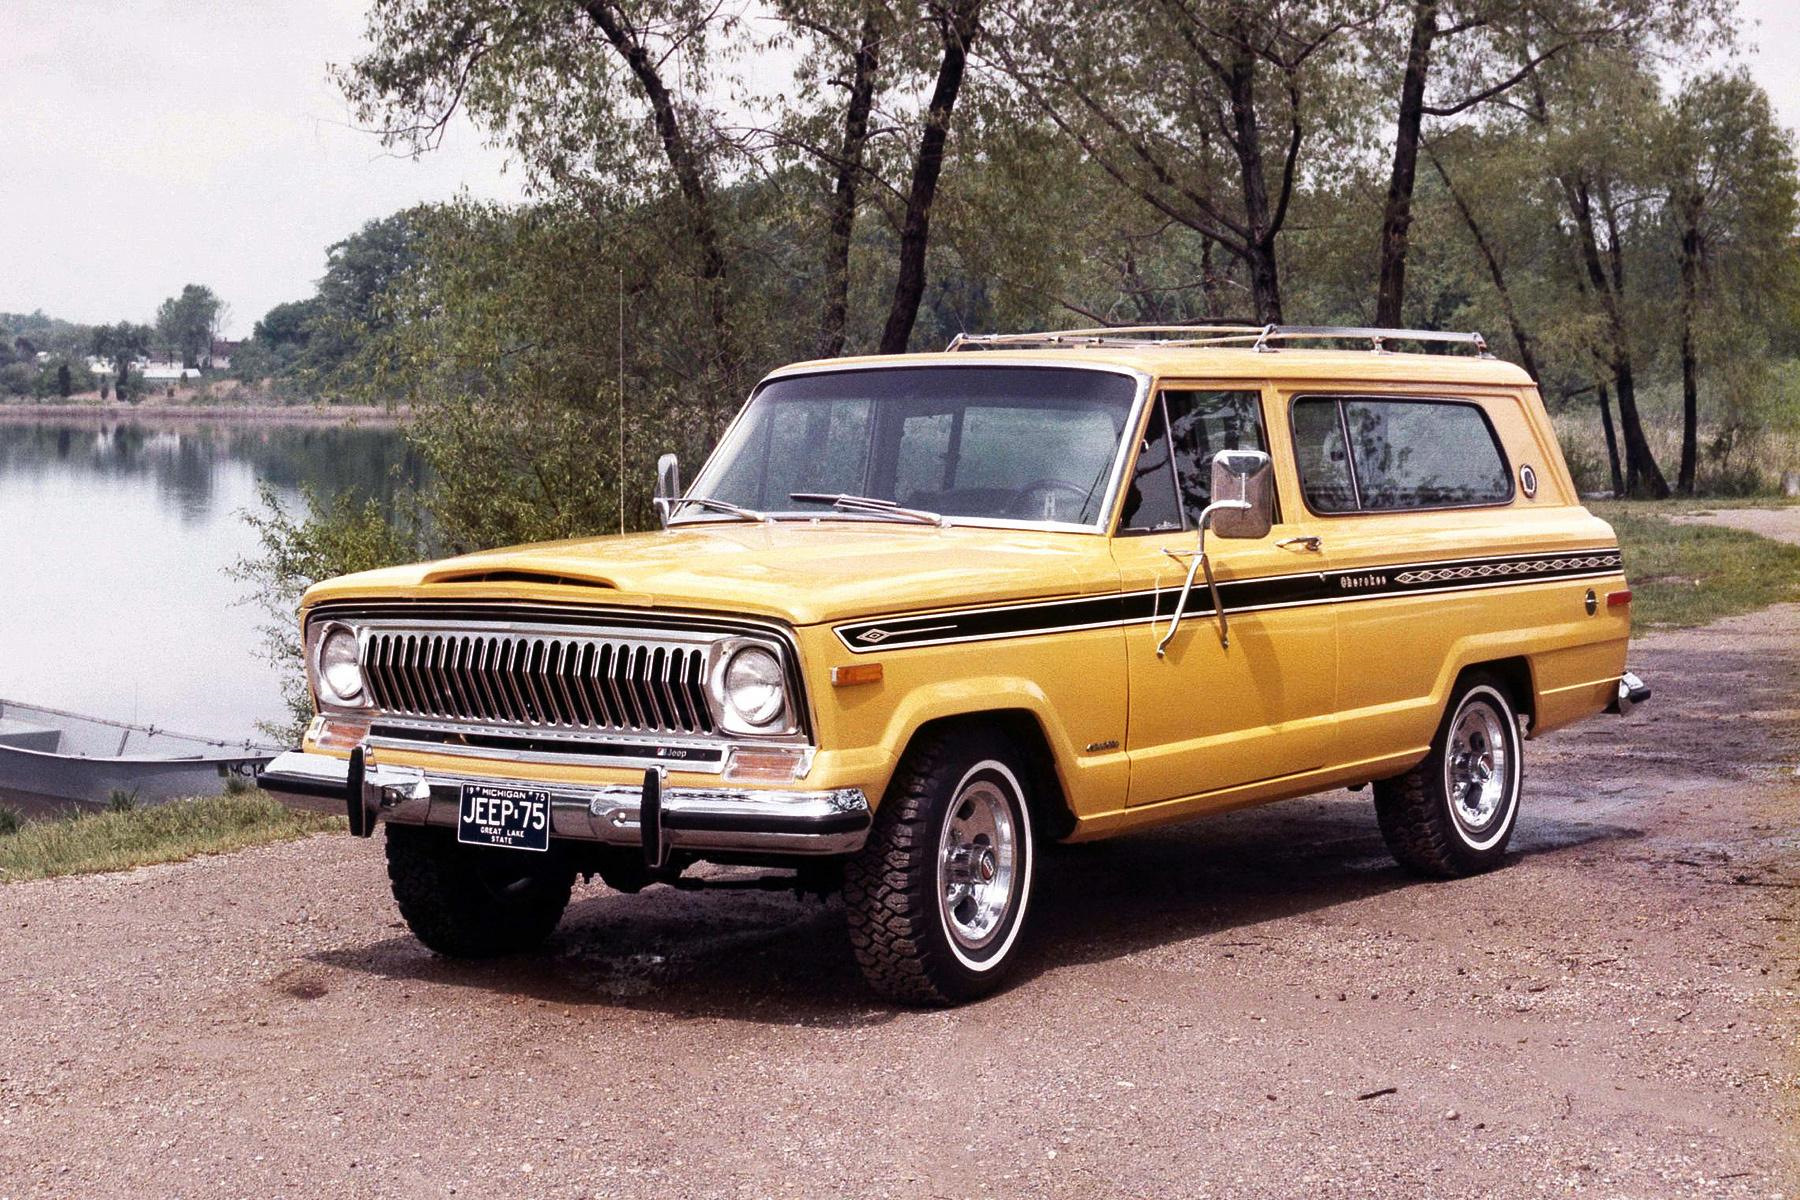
x,y
517,818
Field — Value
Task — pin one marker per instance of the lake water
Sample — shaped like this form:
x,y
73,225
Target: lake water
x,y
114,542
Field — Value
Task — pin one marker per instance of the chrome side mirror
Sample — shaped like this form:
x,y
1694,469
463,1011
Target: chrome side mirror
x,y
1243,506
668,486
1249,477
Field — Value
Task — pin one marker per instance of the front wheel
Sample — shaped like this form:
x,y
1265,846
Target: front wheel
x,y
937,896
1453,814
475,901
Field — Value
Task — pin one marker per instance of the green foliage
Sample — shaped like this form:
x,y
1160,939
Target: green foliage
x,y
1683,575
119,800
10,820
339,535
186,324
173,832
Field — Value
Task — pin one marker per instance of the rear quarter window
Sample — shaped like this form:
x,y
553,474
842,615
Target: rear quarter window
x,y
1403,454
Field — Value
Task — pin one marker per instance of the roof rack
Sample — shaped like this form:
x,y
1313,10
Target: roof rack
x,y
1261,338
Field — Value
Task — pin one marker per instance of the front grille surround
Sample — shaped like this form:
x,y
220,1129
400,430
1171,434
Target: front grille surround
x,y
624,693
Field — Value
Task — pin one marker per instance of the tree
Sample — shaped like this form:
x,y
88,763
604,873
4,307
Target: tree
x,y
331,335
188,323
1729,180
63,383
122,344
289,326
848,54
958,22
584,92
1202,109
1478,51
1578,104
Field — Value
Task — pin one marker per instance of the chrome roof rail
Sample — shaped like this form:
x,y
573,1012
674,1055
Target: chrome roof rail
x,y
1261,338
1108,335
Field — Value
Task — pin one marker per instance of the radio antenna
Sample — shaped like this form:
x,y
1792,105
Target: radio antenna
x,y
621,365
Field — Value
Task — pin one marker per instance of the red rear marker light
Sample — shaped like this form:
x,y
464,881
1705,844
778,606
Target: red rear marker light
x,y
1618,599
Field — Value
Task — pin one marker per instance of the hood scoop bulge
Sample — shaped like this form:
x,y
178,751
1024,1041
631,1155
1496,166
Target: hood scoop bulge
x,y
515,575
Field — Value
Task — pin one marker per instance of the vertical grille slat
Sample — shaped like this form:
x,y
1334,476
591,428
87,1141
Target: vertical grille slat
x,y
562,680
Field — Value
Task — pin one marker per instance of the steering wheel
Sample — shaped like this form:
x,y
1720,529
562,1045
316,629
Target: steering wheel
x,y
1041,486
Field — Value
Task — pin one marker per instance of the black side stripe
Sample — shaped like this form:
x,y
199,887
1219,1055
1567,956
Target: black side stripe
x,y
1237,595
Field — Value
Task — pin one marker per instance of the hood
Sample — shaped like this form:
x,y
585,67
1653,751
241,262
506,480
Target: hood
x,y
803,572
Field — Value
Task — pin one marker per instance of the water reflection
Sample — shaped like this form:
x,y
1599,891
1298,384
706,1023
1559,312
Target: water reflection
x,y
113,542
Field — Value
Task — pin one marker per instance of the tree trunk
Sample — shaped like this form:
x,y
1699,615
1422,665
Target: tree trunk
x,y
1690,381
865,59
960,24
1640,462
1246,140
1396,216
1612,443
684,164
1209,281
1527,357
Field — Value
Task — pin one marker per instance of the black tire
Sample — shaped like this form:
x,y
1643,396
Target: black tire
x,y
898,888
472,901
1432,826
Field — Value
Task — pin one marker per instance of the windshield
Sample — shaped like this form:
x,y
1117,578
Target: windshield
x,y
1002,443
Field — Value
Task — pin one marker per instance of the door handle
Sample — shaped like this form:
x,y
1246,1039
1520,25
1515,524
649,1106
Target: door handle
x,y
1308,543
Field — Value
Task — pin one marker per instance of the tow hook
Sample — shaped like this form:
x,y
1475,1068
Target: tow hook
x,y
1632,692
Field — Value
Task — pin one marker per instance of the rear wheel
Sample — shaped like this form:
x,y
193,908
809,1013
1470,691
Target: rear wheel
x,y
475,901
937,896
1453,814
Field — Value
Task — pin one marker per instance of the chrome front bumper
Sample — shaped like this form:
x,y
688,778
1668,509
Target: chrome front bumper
x,y
737,820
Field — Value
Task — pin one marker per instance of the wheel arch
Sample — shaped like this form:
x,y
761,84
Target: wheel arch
x,y
1045,790
1513,674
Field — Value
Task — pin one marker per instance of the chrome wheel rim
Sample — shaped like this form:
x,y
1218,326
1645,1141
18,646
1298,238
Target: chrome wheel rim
x,y
978,854
1477,766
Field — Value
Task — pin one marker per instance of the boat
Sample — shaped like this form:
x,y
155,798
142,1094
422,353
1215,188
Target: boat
x,y
50,757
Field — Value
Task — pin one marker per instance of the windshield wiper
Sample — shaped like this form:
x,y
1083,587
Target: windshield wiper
x,y
869,506
723,506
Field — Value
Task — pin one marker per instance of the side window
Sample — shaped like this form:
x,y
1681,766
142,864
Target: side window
x,y
1403,454
1412,454
1171,482
1201,424
1319,455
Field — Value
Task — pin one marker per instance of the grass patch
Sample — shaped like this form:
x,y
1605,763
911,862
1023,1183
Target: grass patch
x,y
1683,575
120,839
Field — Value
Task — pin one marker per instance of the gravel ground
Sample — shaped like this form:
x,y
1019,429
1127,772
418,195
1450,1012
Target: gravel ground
x,y
1255,1005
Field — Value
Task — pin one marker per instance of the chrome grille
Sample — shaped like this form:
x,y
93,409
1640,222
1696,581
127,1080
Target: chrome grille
x,y
546,680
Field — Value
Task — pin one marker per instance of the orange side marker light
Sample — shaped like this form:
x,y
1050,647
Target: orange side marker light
x,y
853,675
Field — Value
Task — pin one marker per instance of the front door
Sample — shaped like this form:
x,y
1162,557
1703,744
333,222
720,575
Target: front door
x,y
1207,716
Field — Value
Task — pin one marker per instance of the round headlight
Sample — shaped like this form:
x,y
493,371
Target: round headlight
x,y
340,675
753,686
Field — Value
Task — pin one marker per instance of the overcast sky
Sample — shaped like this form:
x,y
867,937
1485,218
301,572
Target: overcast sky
x,y
151,144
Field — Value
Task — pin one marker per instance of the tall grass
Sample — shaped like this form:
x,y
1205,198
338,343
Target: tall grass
x,y
1731,462
119,839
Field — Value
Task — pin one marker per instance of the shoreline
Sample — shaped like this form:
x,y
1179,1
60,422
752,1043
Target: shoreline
x,y
335,414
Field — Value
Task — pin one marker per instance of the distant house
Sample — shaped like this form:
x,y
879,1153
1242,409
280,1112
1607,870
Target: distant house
x,y
167,371
219,358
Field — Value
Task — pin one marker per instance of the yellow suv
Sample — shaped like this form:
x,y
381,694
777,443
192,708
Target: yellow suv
x,y
919,615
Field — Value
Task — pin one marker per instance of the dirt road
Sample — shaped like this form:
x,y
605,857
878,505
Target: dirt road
x,y
1782,524
1259,1005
